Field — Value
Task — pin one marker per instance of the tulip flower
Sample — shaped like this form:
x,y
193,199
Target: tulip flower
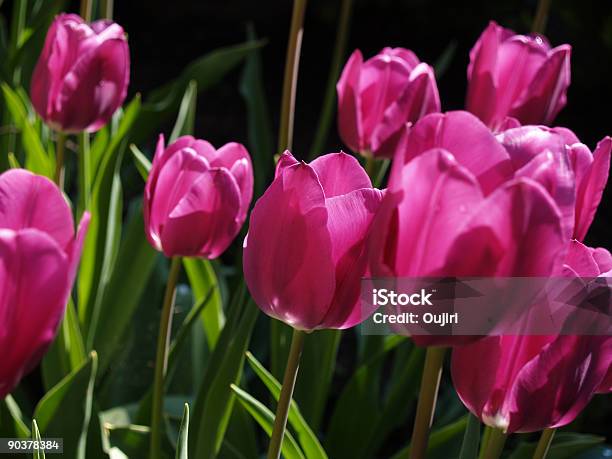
x,y
39,254
196,198
516,76
376,98
304,255
556,374
82,75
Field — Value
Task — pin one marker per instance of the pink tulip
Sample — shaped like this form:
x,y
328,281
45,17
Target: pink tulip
x,y
376,98
574,176
39,254
82,75
304,255
513,374
516,76
197,198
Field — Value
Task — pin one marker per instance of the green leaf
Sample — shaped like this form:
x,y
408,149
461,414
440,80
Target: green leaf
x,y
183,442
185,120
565,445
67,352
202,278
134,265
441,441
471,439
259,127
37,159
316,371
102,241
38,453
12,424
265,418
215,399
307,438
142,163
206,71
13,162
65,410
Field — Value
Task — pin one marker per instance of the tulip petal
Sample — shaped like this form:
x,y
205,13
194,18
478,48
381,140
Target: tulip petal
x,y
580,261
35,288
591,187
287,253
339,174
470,142
440,194
32,201
545,96
349,104
349,220
235,158
503,235
286,160
205,220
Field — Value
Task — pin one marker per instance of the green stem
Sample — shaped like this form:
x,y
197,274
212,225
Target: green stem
x,y
371,166
282,409
84,172
484,441
106,9
285,137
58,177
86,10
161,361
541,17
544,444
327,111
495,444
434,358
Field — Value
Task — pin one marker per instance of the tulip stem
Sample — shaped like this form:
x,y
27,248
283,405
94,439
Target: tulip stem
x,y
86,10
285,137
58,178
495,444
84,172
161,361
327,111
430,382
371,167
541,17
106,9
282,408
544,444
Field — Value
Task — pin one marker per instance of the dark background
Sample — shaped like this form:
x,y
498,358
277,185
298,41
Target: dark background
x,y
164,37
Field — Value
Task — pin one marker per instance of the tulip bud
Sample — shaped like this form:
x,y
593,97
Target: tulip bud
x,y
516,76
378,97
197,198
513,374
39,254
82,75
304,255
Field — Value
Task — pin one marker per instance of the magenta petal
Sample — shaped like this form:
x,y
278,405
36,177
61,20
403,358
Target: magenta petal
x,y
340,173
287,252
32,201
546,94
515,232
349,105
35,289
205,220
438,194
603,258
591,187
580,260
470,142
286,160
349,220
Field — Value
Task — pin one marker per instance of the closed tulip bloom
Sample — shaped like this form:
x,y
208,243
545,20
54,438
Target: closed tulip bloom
x,y
39,254
557,374
304,255
516,76
376,98
197,198
82,75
